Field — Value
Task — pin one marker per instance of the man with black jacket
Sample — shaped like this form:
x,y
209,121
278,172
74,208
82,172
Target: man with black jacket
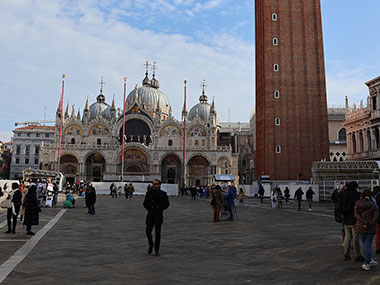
x,y
346,207
156,201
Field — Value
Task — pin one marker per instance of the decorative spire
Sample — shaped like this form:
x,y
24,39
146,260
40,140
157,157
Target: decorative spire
x,y
113,107
347,107
67,113
59,106
154,82
146,80
78,115
213,110
203,97
86,108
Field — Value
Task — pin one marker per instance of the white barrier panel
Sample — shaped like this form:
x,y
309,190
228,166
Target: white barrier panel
x,y
103,188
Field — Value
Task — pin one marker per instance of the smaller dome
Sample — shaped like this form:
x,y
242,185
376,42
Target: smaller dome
x,y
100,107
200,110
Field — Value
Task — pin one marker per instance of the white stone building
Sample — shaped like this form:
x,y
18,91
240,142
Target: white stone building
x,y
26,147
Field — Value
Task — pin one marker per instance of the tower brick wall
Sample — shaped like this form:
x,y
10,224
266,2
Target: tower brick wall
x,y
302,133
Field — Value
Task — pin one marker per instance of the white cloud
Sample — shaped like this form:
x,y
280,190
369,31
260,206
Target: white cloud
x,y
42,40
343,80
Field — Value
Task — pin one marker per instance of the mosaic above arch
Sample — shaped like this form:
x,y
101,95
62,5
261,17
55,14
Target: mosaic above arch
x,y
99,130
170,131
197,131
73,130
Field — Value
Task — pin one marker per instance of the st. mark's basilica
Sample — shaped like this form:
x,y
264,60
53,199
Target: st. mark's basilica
x,y
91,147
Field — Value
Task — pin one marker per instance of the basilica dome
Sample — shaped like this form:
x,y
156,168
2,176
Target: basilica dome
x,y
100,107
149,98
200,110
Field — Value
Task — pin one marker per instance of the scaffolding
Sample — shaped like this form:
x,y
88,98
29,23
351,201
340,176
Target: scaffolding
x,y
333,175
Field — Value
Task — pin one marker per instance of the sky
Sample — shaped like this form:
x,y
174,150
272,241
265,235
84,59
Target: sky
x,y
189,39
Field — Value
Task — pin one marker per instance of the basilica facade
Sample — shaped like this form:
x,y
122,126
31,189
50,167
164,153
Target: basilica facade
x,y
91,147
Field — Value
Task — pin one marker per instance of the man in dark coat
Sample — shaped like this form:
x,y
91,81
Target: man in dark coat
x,y
346,207
31,209
156,201
298,195
91,199
12,212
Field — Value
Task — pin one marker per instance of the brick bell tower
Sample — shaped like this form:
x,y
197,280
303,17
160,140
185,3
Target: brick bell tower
x,y
291,108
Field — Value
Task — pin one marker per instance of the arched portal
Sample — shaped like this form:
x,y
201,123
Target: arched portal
x,y
135,162
171,169
95,166
69,166
136,131
199,173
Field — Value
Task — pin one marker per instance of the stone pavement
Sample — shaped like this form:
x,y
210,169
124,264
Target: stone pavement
x,y
265,246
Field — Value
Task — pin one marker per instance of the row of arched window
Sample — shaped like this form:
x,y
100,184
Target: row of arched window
x,y
358,143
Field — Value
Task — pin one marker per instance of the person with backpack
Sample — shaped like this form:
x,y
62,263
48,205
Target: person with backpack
x,y
131,190
366,214
261,193
287,195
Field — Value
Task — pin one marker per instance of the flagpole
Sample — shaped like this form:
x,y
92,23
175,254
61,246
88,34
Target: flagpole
x,y
184,135
122,139
60,124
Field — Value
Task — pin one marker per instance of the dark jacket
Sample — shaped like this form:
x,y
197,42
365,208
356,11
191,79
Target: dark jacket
x,y
309,194
366,214
31,209
346,205
155,202
230,196
298,194
287,192
16,200
91,196
261,190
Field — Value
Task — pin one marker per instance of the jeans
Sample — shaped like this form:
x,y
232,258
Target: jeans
x,y
91,209
351,235
230,205
11,217
378,236
366,240
299,204
261,198
310,200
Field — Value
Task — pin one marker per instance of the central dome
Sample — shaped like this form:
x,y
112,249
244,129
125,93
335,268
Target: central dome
x,y
149,98
100,108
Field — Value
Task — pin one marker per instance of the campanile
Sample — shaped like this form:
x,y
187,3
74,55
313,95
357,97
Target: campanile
x,y
291,108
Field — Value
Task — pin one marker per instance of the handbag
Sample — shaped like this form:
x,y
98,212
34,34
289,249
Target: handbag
x,y
213,201
6,204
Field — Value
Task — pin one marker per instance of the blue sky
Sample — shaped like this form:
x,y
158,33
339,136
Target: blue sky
x,y
189,39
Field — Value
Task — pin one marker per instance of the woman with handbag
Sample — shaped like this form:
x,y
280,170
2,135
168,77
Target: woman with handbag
x,y
31,209
366,214
217,202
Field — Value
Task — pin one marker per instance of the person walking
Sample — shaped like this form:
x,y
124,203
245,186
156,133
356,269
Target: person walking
x,y
131,190
91,199
155,202
193,192
126,191
335,198
273,198
22,208
15,196
366,214
217,202
287,195
298,195
261,193
32,209
309,197
241,196
346,207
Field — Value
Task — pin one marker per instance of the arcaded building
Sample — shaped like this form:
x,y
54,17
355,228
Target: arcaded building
x,y
362,125
154,141
291,108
